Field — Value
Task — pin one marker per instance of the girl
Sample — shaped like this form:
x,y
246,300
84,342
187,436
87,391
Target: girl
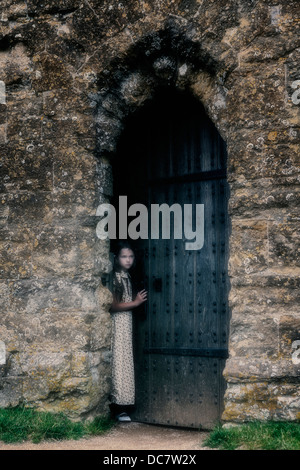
x,y
123,384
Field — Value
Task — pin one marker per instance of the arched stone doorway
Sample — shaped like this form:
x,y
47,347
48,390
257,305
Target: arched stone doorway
x,y
168,60
171,153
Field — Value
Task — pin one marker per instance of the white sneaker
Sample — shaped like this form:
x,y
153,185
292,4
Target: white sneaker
x,y
123,418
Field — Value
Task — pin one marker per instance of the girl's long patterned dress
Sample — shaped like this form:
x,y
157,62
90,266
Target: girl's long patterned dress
x,y
123,385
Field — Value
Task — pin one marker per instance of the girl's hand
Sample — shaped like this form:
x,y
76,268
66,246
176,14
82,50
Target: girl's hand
x,y
141,297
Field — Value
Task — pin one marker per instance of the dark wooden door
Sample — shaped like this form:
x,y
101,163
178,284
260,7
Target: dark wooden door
x,y
181,333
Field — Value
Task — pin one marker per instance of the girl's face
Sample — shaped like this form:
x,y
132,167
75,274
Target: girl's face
x,y
126,258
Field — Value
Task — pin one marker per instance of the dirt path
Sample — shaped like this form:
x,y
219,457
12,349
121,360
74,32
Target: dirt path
x,y
133,436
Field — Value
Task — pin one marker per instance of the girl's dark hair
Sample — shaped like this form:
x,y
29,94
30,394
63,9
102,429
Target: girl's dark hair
x,y
118,290
117,250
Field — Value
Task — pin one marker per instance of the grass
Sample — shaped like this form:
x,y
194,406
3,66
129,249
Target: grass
x,y
256,435
19,424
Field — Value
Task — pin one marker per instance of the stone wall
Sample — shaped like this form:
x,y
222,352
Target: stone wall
x,y
72,71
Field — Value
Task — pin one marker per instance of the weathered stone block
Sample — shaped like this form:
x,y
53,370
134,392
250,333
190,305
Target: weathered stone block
x,y
27,208
15,67
63,251
25,129
3,114
77,205
254,336
40,295
51,73
263,154
263,198
45,373
111,17
262,401
70,126
4,295
257,99
11,342
100,332
26,166
15,261
23,102
104,178
54,6
270,298
137,88
4,211
251,370
289,331
47,330
74,168
10,391
249,245
107,126
59,103
3,134
270,278
284,249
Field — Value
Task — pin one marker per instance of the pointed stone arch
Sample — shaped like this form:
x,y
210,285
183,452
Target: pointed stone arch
x,y
166,57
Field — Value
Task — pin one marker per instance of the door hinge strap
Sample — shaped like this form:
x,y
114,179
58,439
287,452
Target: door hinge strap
x,y
190,177
199,352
